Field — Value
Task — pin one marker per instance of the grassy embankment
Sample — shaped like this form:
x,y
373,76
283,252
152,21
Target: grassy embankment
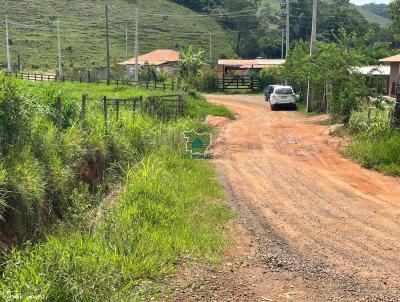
x,y
169,207
374,145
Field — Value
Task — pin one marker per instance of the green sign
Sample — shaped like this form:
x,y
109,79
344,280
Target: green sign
x,y
197,144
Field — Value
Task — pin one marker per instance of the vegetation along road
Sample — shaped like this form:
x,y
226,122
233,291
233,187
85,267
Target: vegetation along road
x,y
318,226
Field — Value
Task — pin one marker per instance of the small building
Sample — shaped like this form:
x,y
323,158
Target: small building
x,y
376,77
161,58
394,76
245,67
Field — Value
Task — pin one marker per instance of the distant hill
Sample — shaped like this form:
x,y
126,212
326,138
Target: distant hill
x,y
375,13
33,31
377,9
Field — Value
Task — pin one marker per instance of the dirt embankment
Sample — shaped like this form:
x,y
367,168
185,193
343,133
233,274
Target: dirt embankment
x,y
315,226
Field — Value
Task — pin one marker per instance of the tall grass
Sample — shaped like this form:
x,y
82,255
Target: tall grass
x,y
51,180
374,144
380,152
168,210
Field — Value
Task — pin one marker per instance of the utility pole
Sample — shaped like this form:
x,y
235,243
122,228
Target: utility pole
x,y
210,48
282,44
287,27
126,44
8,48
310,92
60,69
108,47
136,45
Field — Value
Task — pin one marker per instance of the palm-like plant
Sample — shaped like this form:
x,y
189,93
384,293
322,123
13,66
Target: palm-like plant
x,y
190,64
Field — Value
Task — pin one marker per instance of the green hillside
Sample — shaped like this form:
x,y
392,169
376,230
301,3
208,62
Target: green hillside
x,y
83,30
373,17
378,9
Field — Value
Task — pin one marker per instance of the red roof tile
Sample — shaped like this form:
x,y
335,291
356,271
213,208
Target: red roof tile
x,y
157,57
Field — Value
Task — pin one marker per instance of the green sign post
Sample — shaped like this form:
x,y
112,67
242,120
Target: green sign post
x,y
197,144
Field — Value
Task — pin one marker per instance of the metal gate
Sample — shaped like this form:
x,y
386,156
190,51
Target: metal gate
x,y
238,82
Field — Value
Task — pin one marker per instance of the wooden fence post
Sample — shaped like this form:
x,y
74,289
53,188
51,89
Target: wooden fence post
x,y
83,111
117,109
58,113
105,111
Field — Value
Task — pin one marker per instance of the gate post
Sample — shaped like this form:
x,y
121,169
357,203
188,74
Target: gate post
x,y
58,113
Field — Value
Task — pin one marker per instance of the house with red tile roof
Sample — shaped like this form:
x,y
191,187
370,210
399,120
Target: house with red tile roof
x,y
161,58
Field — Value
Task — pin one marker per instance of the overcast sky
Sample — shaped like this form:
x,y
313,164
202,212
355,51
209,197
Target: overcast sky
x,y
360,2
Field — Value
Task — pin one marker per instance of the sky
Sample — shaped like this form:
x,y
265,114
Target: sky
x,y
361,2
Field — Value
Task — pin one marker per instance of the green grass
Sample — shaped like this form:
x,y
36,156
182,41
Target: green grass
x,y
169,208
380,152
199,107
168,211
302,109
83,31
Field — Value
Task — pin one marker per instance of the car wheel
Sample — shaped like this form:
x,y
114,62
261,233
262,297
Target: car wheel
x,y
273,107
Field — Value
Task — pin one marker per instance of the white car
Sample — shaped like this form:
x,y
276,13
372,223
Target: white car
x,y
282,95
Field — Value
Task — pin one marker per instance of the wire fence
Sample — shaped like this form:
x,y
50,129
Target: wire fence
x,y
148,85
163,107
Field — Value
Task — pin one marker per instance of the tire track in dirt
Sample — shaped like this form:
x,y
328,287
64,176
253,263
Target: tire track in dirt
x,y
320,221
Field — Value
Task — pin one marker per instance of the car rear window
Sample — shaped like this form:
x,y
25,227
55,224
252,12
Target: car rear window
x,y
283,91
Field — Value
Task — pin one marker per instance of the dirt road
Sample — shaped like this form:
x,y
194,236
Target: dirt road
x,y
318,226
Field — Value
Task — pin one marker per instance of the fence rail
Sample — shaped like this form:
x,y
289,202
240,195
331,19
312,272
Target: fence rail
x,y
159,106
149,85
238,82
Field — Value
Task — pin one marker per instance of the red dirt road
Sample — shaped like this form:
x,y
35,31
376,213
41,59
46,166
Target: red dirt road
x,y
322,226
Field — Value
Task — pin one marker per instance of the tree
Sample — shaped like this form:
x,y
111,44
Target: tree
x,y
394,13
331,65
148,72
190,64
241,23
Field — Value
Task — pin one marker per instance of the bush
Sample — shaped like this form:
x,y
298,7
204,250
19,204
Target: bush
x,y
379,152
270,76
207,80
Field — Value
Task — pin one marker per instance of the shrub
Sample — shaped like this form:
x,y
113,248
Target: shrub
x,y
14,115
270,76
380,152
207,80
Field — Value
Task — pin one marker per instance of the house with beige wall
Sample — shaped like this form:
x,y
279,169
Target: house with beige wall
x,y
394,77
